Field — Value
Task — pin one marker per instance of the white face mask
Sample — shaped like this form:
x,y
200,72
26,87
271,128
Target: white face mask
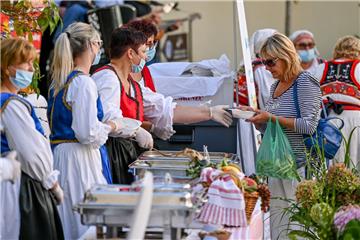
x,y
97,58
22,79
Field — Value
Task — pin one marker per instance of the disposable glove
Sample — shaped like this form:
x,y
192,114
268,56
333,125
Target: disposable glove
x,y
144,138
220,115
10,168
163,133
58,193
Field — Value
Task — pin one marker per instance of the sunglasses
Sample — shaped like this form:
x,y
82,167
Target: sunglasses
x,y
305,45
269,62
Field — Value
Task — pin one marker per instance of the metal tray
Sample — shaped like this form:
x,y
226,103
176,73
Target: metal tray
x,y
160,165
114,205
171,155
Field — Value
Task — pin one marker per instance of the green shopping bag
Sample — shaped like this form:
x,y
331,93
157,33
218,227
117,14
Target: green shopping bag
x,y
275,157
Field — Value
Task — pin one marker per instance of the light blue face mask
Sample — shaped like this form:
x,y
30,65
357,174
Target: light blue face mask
x,y
138,68
97,58
150,53
22,79
307,55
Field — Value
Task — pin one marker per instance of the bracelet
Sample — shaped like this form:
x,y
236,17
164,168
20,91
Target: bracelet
x,y
210,113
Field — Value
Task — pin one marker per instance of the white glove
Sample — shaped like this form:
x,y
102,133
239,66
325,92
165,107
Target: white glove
x,y
218,114
125,127
58,193
10,168
163,133
144,138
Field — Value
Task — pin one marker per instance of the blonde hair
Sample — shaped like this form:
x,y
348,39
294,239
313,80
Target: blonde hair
x,y
347,47
15,51
70,44
280,46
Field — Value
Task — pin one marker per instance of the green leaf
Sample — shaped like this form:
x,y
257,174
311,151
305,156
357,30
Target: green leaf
x,y
351,231
303,234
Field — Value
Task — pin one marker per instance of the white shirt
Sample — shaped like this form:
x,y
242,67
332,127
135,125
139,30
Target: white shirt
x,y
159,110
313,67
81,96
33,148
264,80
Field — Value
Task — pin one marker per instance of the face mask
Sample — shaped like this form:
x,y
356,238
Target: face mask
x,y
138,68
22,79
150,54
97,58
307,55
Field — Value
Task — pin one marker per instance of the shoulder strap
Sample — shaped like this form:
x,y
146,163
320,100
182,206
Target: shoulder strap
x,y
296,100
15,97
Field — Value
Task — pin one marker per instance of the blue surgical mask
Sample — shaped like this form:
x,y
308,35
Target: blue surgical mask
x,y
97,58
307,55
22,79
138,68
150,53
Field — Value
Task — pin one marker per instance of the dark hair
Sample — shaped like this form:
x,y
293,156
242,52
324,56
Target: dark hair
x,y
124,38
144,25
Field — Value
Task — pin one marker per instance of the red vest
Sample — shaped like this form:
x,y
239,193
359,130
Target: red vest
x,y
338,77
148,81
131,107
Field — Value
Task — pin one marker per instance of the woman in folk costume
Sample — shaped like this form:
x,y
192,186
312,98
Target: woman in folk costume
x,y
340,86
149,29
305,45
39,189
75,116
123,96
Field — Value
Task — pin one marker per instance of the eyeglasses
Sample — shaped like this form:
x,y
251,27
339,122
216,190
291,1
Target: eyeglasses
x,y
99,43
305,45
152,45
269,62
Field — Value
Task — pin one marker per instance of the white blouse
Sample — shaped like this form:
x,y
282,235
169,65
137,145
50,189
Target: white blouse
x,y
82,96
158,109
34,152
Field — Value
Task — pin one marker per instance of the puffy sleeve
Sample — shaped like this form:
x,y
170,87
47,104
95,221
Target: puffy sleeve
x,y
357,73
82,96
309,100
158,109
109,90
33,148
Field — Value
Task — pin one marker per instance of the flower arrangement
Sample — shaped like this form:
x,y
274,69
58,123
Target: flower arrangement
x,y
325,205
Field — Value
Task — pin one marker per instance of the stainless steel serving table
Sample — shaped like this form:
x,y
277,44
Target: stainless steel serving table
x,y
114,205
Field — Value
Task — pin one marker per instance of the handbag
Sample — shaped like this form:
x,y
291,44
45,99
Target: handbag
x,y
327,137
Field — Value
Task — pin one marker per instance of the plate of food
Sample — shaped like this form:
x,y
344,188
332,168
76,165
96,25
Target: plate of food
x,y
238,113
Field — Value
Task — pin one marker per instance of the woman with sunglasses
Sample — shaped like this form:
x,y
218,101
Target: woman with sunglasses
x,y
304,43
78,130
340,84
123,96
281,59
28,206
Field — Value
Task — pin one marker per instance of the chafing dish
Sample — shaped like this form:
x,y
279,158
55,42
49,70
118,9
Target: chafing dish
x,y
114,205
160,163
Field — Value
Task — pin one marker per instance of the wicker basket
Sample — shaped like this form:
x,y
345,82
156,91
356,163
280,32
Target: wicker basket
x,y
250,202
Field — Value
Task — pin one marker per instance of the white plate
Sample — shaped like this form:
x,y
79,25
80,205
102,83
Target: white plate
x,y
237,113
130,126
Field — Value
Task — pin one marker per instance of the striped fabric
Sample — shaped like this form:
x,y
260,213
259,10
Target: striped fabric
x,y
309,100
226,203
